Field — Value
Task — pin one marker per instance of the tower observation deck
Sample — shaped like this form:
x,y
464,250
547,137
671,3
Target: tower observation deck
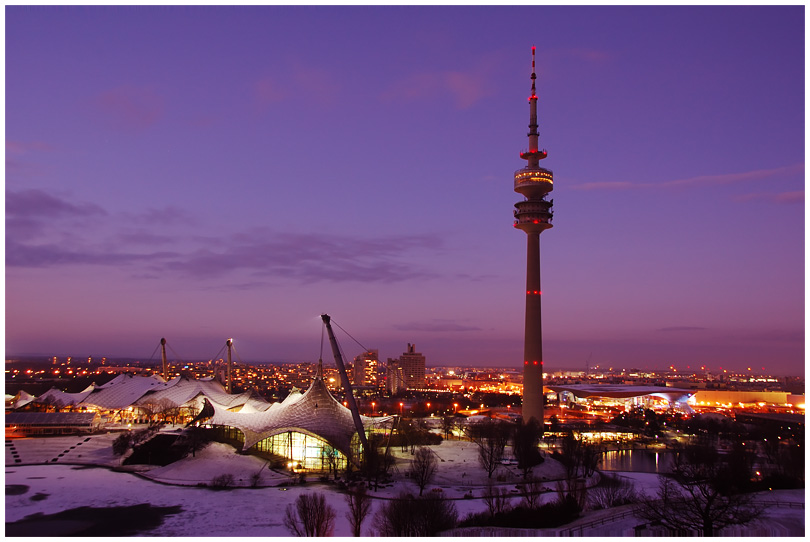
x,y
533,215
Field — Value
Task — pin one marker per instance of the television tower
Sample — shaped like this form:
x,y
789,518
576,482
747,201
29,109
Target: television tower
x,y
533,216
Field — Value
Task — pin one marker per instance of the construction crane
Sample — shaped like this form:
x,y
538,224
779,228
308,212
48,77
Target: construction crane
x,y
344,378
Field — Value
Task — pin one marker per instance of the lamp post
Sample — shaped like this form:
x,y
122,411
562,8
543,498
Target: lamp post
x,y
372,407
400,409
455,407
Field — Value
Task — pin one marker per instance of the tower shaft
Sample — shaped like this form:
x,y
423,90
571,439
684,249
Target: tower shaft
x,y
533,216
533,334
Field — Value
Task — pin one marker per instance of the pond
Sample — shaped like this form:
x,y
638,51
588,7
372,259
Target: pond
x,y
636,461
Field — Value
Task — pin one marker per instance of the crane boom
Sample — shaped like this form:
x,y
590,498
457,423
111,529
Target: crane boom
x,y
344,378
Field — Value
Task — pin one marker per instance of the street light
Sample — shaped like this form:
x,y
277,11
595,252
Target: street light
x,y
455,406
372,406
400,409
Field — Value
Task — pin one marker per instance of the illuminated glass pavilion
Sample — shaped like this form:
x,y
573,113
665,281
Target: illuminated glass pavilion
x,y
306,428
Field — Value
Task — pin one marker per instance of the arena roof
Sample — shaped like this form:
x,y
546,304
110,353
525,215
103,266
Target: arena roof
x,y
314,412
61,399
180,390
126,390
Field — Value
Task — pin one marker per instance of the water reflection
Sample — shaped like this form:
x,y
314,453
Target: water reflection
x,y
636,461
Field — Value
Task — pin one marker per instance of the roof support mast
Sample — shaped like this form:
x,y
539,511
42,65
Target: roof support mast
x,y
229,384
344,378
163,357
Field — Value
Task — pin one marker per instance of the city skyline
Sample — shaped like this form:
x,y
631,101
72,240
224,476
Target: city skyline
x,y
200,173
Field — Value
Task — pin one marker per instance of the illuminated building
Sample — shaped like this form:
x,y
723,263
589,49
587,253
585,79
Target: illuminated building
x,y
394,377
364,369
624,397
50,423
533,216
311,430
407,372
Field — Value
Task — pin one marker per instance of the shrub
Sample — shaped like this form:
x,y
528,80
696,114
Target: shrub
x,y
121,443
416,516
160,449
611,491
223,481
549,515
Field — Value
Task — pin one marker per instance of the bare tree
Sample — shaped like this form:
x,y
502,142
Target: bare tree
x,y
570,454
530,490
526,446
330,457
497,499
699,496
359,503
376,462
310,516
448,424
572,490
591,456
197,438
423,467
491,438
578,456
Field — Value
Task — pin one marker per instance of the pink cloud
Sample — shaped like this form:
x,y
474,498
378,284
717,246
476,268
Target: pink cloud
x,y
464,88
16,150
25,147
591,55
728,178
267,91
299,80
609,185
782,197
131,107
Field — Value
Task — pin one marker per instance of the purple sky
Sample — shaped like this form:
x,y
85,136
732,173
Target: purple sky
x,y
200,173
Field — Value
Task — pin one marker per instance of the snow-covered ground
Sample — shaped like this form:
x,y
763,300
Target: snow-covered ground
x,y
259,511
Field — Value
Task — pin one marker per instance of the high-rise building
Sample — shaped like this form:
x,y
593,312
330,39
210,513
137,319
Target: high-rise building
x,y
533,216
394,377
407,372
364,369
